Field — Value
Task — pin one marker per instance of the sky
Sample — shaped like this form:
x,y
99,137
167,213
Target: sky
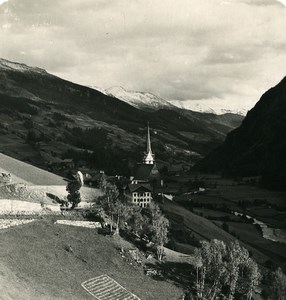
x,y
220,53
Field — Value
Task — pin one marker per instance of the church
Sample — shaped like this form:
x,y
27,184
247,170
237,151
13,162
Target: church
x,y
146,179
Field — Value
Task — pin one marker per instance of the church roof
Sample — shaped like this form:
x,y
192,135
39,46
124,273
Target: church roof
x,y
144,171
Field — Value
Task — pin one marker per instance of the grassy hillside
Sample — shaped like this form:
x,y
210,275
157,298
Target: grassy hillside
x,y
26,173
46,261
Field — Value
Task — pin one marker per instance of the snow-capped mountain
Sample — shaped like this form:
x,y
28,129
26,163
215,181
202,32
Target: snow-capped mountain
x,y
148,101
212,107
195,106
141,100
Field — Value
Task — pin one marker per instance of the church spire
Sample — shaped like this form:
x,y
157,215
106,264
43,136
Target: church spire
x,y
149,156
148,139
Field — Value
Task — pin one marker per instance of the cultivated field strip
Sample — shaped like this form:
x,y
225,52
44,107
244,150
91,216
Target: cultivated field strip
x,y
86,224
105,288
7,223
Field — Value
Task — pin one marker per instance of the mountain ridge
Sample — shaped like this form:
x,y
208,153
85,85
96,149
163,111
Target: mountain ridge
x,y
257,146
4,63
44,116
149,101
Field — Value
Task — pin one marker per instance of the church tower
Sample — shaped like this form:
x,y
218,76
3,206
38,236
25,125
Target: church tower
x,y
149,158
146,179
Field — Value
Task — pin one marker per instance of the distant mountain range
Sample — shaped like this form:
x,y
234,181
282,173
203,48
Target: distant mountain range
x,y
205,107
44,119
148,101
258,146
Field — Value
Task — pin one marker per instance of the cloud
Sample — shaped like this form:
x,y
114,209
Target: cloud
x,y
282,1
188,50
258,2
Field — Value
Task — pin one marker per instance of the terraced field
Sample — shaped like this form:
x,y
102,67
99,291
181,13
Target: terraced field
x,y
105,288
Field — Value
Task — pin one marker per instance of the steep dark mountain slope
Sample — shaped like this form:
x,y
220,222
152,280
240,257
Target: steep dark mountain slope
x,y
44,118
258,146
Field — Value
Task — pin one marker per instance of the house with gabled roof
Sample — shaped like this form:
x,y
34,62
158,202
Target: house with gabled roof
x,y
139,194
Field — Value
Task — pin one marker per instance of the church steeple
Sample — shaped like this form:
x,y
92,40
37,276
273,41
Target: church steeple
x,y
148,139
149,156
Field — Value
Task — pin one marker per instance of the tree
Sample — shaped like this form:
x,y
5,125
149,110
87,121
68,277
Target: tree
x,y
157,229
211,274
249,278
122,214
74,197
73,188
160,234
226,271
278,285
236,255
108,200
137,220
113,205
154,211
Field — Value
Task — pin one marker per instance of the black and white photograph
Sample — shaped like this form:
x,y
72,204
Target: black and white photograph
x,y
142,149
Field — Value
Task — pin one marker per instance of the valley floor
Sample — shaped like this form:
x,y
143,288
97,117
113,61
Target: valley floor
x,y
236,210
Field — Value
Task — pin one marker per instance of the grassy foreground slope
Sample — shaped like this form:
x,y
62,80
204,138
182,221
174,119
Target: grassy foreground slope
x,y
23,172
47,261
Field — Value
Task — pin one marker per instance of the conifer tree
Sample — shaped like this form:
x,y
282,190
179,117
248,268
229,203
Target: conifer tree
x,y
74,196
